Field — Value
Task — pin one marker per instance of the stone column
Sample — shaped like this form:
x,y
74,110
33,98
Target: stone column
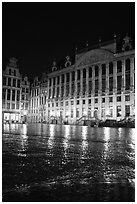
x,y
93,81
65,84
60,86
70,83
115,77
87,81
48,89
123,75
115,90
75,84
107,78
100,79
55,87
107,90
51,87
81,82
132,73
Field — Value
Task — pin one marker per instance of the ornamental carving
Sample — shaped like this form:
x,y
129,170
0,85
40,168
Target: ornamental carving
x,y
94,56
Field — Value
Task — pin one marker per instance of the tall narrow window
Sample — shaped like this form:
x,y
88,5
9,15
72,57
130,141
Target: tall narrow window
x,y
84,73
90,72
8,94
110,68
78,74
14,72
96,71
103,69
9,81
127,63
4,81
119,66
13,95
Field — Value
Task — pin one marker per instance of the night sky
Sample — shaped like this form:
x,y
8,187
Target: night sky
x,y
38,33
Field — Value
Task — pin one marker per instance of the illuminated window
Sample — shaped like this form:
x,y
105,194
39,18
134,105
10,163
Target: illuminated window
x,y
103,112
110,99
96,100
127,98
71,113
26,106
111,111
8,105
72,102
118,98
77,112
127,110
118,111
13,106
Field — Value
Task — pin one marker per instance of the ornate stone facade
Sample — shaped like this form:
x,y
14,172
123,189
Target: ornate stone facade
x,y
99,84
15,94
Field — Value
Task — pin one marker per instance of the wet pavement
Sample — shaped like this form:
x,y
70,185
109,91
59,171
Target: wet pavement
x,y
67,163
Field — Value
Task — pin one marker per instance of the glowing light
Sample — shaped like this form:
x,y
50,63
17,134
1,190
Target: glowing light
x,y
84,144
66,140
84,132
84,112
51,138
24,129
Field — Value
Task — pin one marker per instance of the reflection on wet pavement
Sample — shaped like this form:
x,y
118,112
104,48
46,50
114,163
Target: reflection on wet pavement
x,y
68,163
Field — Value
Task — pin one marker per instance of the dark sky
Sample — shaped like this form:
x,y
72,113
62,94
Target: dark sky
x,y
38,33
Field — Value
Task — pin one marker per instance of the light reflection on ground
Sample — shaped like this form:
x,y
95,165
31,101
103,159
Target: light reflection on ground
x,y
68,163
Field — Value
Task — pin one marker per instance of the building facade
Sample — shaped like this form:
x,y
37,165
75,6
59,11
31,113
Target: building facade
x,y
15,94
38,94
99,84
